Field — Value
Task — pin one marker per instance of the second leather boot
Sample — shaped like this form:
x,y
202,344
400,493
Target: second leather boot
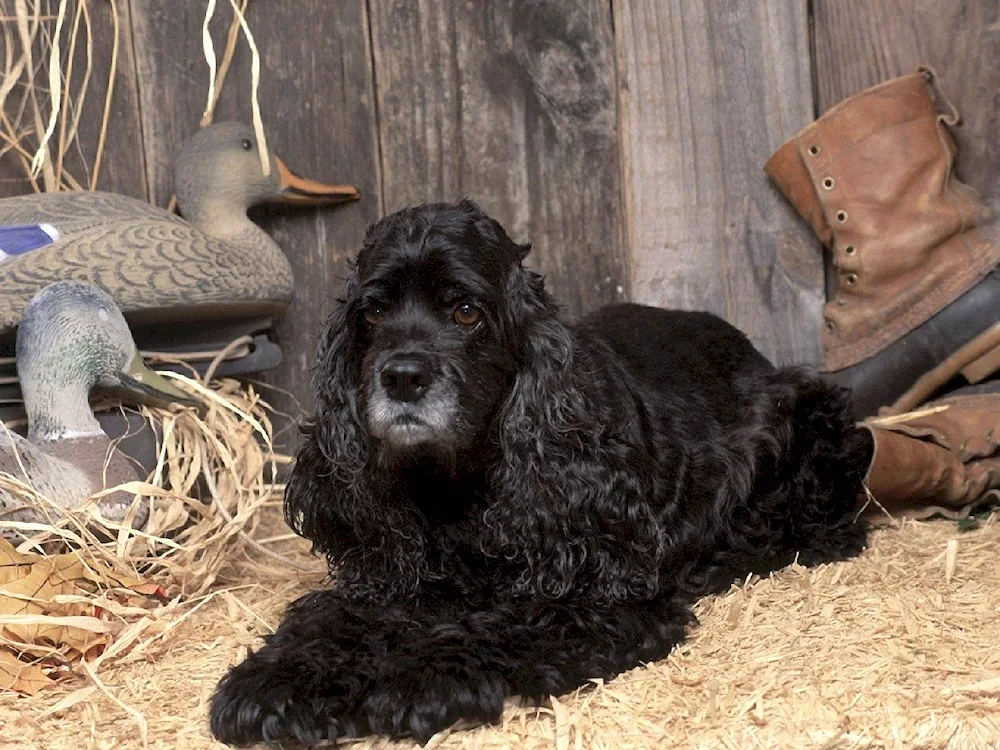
x,y
917,296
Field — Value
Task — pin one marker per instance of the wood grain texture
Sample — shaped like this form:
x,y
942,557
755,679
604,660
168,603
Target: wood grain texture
x,y
860,43
511,103
317,102
173,81
708,91
123,165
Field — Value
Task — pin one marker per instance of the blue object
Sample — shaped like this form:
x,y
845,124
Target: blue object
x,y
25,238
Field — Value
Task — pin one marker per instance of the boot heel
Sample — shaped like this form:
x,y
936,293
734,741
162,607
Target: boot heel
x,y
978,359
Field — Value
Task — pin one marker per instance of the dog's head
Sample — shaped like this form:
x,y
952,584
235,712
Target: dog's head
x,y
428,333
439,349
446,350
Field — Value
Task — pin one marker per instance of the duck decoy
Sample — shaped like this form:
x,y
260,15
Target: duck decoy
x,y
213,267
72,339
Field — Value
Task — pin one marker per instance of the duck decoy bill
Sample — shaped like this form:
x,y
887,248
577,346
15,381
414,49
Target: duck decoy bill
x,y
301,191
137,382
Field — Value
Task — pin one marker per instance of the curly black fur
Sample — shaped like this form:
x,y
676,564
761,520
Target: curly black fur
x,y
545,507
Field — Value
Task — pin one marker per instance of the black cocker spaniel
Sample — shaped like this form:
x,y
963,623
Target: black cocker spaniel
x,y
511,505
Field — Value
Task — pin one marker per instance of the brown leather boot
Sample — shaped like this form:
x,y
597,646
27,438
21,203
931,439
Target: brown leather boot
x,y
941,459
916,302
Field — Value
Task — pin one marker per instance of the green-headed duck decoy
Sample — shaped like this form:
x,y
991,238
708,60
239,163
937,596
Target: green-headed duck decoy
x,y
158,267
73,338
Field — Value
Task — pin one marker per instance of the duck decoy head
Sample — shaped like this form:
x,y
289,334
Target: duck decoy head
x,y
73,338
221,162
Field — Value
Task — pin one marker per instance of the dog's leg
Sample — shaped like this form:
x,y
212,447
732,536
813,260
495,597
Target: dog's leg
x,y
308,679
339,669
445,671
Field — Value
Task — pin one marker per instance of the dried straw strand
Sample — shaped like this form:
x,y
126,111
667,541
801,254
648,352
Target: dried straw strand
x,y
67,78
227,61
209,49
27,34
48,107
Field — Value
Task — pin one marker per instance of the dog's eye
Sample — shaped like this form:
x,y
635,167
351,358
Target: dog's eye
x,y
467,315
374,314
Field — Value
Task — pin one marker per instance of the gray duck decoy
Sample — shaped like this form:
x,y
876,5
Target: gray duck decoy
x,y
72,339
158,267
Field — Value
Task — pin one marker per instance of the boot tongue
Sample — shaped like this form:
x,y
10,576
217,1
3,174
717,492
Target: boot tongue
x,y
788,172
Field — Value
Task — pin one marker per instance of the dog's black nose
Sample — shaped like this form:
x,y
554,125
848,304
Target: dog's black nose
x,y
406,379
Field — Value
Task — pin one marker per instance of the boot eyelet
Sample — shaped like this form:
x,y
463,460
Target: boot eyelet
x,y
841,216
851,279
828,183
813,150
850,250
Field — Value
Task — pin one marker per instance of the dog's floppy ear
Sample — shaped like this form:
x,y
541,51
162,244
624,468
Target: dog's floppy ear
x,y
329,467
336,495
572,465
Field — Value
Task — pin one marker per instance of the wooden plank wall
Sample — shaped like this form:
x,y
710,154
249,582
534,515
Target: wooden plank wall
x,y
513,103
623,138
709,91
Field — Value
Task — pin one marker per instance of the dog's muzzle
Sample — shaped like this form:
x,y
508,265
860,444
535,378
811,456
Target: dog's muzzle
x,y
411,402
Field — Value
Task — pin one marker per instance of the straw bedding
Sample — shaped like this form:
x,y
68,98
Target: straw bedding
x,y
897,649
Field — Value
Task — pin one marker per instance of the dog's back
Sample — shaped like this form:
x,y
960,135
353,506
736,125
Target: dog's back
x,y
694,356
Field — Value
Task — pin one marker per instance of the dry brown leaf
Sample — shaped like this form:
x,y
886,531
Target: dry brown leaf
x,y
28,582
68,568
42,612
19,676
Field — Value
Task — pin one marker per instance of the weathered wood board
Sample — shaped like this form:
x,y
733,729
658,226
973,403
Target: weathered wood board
x,y
624,139
511,103
708,91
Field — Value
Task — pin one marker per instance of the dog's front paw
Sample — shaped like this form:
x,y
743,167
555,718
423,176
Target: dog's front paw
x,y
265,702
422,702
